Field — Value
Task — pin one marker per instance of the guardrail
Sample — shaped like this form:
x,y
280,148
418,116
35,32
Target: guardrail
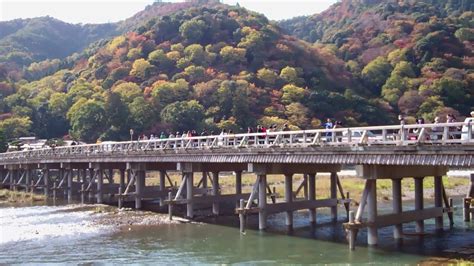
x,y
397,135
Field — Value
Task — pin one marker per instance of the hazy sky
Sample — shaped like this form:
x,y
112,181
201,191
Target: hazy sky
x,y
101,11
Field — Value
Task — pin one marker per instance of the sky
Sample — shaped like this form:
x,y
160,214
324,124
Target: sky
x,y
103,11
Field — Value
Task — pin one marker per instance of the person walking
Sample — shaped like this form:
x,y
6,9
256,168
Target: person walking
x,y
328,125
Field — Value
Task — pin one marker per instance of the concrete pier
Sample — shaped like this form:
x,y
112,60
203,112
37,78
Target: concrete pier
x,y
397,206
289,199
262,202
419,224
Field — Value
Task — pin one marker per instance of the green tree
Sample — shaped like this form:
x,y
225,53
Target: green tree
x,y
376,73
268,76
297,115
141,69
87,119
142,114
185,115
3,142
193,30
290,75
127,91
15,127
195,53
169,92
159,59
293,93
232,56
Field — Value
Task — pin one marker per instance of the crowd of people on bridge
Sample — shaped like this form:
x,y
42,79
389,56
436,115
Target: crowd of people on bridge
x,y
435,133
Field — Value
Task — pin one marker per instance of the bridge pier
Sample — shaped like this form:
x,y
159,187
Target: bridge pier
x,y
215,192
238,182
289,199
419,224
262,201
397,206
374,221
312,196
438,201
334,195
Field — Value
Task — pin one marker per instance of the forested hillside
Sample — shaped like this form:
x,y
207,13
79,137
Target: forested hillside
x,y
415,55
201,68
23,41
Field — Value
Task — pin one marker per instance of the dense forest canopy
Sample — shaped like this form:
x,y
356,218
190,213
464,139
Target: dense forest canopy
x,y
213,66
417,56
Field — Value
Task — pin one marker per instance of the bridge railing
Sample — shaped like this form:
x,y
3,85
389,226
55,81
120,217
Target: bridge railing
x,y
426,134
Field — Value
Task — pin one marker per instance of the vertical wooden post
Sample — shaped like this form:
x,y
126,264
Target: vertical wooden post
x,y
46,181
289,199
100,183
55,187
334,195
27,179
120,198
170,205
397,206
438,193
69,185
372,237
162,180
111,176
420,224
262,202
83,196
312,196
470,193
467,209
12,178
305,186
242,216
139,187
215,192
238,182
189,194
204,180
122,179
352,232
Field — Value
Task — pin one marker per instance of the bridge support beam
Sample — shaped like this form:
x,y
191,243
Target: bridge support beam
x,y
100,183
470,193
189,194
438,200
397,206
289,199
238,182
334,195
312,196
215,192
420,224
262,202
372,236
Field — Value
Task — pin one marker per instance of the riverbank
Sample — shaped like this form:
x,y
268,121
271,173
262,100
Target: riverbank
x,y
9,196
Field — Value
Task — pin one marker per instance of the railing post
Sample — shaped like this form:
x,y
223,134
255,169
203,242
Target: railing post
x,y
469,130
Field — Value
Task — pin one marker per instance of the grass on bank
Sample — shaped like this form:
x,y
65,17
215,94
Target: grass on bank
x,y
19,196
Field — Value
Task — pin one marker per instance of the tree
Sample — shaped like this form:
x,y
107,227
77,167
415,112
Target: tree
x,y
142,114
375,73
292,93
87,119
465,34
232,56
290,75
268,76
141,68
184,115
168,92
297,115
127,91
15,127
193,30
195,53
117,114
3,142
159,59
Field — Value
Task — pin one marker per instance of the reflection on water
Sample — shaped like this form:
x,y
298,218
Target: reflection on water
x,y
51,234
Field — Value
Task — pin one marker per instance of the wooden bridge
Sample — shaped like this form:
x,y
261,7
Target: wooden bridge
x,y
385,152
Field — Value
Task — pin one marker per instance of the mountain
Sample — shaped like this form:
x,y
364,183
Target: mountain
x,y
415,55
206,67
23,41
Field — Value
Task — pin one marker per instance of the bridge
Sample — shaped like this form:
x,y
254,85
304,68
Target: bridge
x,y
390,152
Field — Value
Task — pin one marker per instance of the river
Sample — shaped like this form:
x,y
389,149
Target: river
x,y
70,234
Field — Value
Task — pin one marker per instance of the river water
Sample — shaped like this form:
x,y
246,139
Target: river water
x,y
67,234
